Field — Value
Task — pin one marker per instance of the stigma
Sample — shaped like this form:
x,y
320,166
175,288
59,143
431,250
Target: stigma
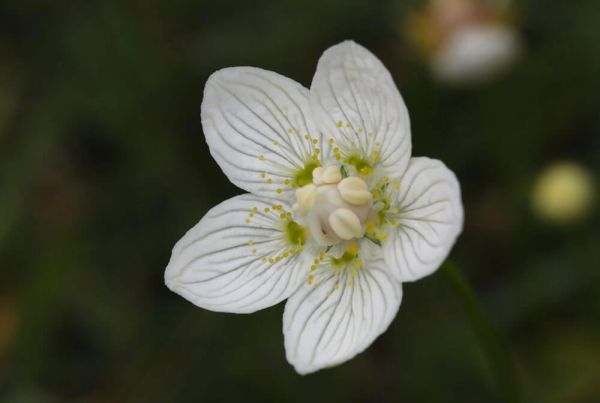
x,y
335,208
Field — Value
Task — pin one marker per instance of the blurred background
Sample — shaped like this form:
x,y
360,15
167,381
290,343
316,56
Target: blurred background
x,y
103,166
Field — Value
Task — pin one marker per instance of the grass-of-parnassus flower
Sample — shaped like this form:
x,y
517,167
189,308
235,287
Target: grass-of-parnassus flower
x,y
338,213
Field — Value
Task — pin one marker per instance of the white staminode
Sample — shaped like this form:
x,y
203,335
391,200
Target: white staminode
x,y
337,216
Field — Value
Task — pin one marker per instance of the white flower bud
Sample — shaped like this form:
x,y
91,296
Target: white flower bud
x,y
354,191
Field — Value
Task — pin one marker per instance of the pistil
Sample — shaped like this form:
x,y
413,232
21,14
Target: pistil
x,y
336,209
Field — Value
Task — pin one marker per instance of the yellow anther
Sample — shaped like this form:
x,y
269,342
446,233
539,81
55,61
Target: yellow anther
x,y
354,190
329,175
352,248
345,223
381,236
305,199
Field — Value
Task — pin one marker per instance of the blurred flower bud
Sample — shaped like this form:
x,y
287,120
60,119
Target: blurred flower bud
x,y
465,41
563,193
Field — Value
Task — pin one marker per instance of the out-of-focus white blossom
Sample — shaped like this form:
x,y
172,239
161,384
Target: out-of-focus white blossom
x,y
465,41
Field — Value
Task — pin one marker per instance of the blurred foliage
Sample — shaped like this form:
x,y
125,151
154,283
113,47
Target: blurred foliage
x,y
103,167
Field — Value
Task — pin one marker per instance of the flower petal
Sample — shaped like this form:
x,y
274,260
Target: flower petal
x,y
430,219
329,322
354,99
237,258
258,128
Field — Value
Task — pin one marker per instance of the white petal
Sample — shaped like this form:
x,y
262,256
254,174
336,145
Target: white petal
x,y
256,122
218,264
354,100
324,326
430,219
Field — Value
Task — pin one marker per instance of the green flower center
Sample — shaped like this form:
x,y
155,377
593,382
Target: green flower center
x,y
304,176
295,233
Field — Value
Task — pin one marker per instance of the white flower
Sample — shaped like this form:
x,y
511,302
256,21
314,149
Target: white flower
x,y
476,53
338,214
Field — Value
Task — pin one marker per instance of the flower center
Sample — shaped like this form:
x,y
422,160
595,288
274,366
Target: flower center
x,y
336,209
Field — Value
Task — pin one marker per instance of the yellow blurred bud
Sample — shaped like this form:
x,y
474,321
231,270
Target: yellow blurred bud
x,y
563,193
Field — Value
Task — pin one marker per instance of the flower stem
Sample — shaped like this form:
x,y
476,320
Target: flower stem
x,y
492,343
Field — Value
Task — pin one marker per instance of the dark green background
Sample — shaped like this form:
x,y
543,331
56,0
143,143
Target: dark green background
x,y
103,166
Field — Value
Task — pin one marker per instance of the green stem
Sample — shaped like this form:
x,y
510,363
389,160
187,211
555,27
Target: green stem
x,y
492,343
